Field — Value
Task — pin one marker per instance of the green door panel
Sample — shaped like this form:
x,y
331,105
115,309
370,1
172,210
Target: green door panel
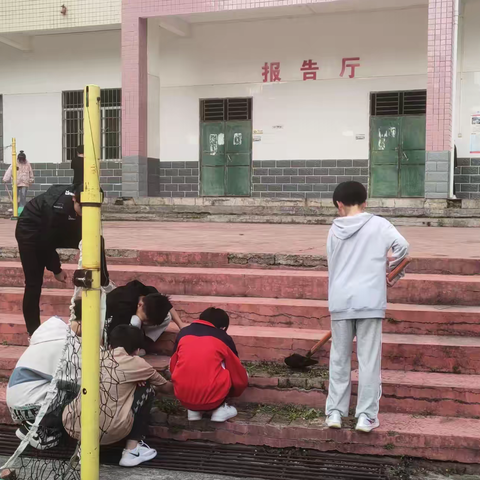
x,y
240,159
397,156
384,158
413,157
384,181
226,157
238,180
213,181
385,132
238,137
413,133
412,180
213,138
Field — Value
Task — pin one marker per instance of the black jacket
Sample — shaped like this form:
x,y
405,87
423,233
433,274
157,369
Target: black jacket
x,y
122,303
78,169
48,222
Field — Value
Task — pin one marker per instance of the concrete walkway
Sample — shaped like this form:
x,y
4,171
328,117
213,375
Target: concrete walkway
x,y
262,238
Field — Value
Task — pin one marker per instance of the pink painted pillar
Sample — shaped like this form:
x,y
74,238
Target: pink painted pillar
x,y
439,97
134,104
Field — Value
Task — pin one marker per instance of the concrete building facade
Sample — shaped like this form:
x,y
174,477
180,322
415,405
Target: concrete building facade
x,y
280,99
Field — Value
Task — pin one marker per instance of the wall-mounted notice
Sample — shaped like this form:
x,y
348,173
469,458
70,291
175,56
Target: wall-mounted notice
x,y
475,134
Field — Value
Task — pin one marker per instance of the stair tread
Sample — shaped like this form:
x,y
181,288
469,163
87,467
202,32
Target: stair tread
x,y
62,292
419,379
311,334
252,272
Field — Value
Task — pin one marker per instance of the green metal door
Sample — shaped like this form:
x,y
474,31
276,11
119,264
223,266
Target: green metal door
x,y
239,153
226,154
213,158
412,157
397,156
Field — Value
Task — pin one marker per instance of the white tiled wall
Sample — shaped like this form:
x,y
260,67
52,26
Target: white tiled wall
x,y
41,15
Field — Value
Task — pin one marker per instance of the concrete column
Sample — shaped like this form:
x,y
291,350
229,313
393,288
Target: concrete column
x,y
134,106
439,97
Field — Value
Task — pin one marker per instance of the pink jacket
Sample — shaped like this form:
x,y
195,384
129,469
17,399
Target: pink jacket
x,y
25,175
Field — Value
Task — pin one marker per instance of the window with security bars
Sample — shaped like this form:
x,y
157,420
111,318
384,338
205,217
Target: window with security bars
x,y
410,102
225,109
111,123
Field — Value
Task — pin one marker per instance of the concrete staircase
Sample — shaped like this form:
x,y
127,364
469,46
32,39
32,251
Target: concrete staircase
x,y
431,353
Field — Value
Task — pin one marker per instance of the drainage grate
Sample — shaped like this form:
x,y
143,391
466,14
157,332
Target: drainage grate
x,y
234,460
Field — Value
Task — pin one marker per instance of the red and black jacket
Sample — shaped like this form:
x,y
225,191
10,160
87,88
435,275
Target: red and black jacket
x,y
205,367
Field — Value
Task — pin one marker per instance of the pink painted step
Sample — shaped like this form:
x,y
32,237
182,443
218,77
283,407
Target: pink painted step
x,y
270,312
295,284
433,438
400,352
420,264
403,392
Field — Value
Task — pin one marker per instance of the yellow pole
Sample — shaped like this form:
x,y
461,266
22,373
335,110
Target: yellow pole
x,y
91,203
14,178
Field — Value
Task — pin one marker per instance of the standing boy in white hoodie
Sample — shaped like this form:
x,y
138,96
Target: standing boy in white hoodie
x,y
357,248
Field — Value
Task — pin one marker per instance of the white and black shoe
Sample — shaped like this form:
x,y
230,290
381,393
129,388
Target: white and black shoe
x,y
224,413
142,453
43,439
366,424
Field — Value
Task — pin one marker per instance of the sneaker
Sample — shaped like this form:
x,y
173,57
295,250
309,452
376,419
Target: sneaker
x,y
224,413
142,453
194,416
365,424
43,439
141,352
334,420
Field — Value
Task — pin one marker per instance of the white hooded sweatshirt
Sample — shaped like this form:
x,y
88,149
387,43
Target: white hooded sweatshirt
x,y
357,249
30,380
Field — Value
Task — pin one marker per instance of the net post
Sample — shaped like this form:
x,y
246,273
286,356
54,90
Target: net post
x,y
91,213
14,179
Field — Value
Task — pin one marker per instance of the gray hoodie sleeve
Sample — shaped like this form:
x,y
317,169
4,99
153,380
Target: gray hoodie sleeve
x,y
397,244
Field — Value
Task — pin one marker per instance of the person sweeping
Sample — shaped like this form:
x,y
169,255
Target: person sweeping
x,y
357,248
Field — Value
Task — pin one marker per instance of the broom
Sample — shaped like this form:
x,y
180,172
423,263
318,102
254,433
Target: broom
x,y
302,361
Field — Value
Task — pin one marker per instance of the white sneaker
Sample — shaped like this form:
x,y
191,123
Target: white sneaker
x,y
224,413
142,453
334,420
194,416
365,424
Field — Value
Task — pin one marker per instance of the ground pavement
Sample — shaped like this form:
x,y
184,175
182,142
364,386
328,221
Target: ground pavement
x,y
262,238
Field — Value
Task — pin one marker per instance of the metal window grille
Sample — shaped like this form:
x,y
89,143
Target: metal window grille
x,y
111,123
225,109
412,102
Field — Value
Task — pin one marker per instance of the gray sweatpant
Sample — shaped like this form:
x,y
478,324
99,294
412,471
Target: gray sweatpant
x,y
369,354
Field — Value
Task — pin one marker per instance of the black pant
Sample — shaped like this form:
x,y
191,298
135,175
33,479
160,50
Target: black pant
x,y
142,404
34,262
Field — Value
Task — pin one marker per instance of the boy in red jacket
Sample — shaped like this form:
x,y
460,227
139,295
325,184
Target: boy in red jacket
x,y
206,369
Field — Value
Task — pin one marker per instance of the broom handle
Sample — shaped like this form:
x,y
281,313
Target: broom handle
x,y
397,270
319,344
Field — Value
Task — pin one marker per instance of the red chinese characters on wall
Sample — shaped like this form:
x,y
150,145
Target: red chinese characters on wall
x,y
271,72
309,69
352,63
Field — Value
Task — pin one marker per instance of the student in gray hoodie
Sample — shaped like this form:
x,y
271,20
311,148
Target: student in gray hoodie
x,y
357,248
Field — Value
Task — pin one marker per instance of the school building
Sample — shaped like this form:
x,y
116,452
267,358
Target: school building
x,y
243,98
